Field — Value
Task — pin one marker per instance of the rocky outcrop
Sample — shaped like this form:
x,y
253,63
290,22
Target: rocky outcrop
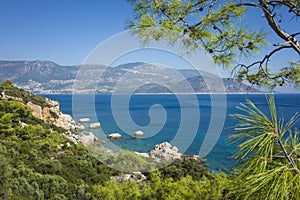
x,y
162,152
194,157
65,121
135,176
79,127
114,136
72,138
138,134
165,151
4,96
88,138
50,113
54,115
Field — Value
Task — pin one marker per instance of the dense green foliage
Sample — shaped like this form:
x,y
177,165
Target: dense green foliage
x,y
221,29
165,188
184,168
9,89
36,162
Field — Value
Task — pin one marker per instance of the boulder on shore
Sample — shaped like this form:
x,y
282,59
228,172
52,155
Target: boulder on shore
x,y
95,125
65,121
165,151
84,120
79,127
138,134
87,138
114,136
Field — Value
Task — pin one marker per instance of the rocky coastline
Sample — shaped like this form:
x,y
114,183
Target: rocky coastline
x,y
76,132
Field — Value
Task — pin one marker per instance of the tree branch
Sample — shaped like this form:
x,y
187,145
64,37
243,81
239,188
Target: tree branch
x,y
263,70
295,34
288,4
273,24
271,21
266,58
291,161
250,5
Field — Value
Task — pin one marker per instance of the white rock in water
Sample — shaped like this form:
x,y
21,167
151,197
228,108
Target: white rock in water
x,y
114,136
84,120
95,125
138,134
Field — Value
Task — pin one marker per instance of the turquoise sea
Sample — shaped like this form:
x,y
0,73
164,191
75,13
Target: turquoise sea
x,y
219,158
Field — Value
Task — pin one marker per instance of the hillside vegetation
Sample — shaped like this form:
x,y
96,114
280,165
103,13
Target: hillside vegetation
x,y
38,162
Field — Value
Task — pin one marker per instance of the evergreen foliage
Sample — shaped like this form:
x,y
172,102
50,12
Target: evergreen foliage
x,y
9,89
220,28
269,149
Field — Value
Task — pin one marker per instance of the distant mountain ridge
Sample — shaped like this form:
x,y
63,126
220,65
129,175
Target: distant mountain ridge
x,y
47,77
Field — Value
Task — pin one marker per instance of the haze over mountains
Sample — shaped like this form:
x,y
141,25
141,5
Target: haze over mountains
x,y
46,77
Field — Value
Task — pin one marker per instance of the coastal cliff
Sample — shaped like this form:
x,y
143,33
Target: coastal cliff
x,y
43,108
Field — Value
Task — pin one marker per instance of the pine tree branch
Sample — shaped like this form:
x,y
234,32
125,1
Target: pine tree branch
x,y
287,156
262,65
273,24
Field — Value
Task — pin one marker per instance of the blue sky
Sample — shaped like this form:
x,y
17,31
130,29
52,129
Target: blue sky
x,y
65,31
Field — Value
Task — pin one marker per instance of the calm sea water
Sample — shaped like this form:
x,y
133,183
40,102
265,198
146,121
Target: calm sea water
x,y
219,158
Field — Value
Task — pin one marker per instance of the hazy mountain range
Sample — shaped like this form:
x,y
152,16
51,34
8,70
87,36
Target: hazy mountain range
x,y
46,77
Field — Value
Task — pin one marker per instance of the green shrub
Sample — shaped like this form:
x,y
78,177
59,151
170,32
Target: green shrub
x,y
9,89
